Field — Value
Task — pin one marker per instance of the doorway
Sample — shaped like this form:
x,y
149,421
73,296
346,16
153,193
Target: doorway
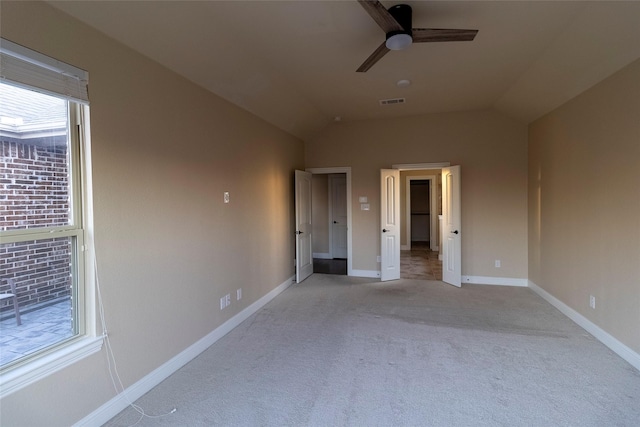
x,y
421,205
421,256
419,213
331,218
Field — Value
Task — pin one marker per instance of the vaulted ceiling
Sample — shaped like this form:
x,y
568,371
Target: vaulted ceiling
x,y
294,63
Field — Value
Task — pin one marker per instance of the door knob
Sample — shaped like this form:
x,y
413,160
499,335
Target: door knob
x,y
455,232
384,230
335,222
299,232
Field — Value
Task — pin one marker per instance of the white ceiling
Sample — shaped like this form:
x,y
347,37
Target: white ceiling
x,y
293,62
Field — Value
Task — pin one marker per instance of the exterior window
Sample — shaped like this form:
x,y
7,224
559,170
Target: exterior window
x,y
41,224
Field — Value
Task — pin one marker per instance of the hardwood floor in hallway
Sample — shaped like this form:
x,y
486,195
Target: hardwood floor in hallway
x,y
420,263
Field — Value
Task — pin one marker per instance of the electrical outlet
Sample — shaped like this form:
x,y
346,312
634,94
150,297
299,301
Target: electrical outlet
x,y
227,300
226,197
592,302
498,263
239,294
223,303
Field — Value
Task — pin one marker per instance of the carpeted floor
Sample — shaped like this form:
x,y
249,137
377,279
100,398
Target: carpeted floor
x,y
342,351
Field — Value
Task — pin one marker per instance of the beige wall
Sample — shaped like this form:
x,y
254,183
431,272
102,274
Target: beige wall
x,y
320,213
492,152
164,151
584,204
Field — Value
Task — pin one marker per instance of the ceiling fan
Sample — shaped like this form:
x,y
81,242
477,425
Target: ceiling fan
x,y
396,23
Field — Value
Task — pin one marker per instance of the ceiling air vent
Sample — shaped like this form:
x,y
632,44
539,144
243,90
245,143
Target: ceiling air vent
x,y
392,101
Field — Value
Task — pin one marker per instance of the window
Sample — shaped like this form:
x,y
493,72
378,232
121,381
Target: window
x,y
43,218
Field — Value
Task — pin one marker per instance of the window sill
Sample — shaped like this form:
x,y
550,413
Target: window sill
x,y
32,371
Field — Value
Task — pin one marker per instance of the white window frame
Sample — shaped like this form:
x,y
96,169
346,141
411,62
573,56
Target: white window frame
x,y
87,341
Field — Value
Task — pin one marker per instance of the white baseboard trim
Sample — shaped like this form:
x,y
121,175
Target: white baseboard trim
x,y
499,281
604,337
114,406
365,273
322,255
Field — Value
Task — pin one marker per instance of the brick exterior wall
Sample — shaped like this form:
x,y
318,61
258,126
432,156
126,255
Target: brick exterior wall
x,y
35,184
34,191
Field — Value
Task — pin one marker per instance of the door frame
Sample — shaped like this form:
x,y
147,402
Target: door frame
x,y
347,172
419,166
432,208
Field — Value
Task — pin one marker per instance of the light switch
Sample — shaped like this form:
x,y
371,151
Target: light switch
x,y
363,199
364,206
226,197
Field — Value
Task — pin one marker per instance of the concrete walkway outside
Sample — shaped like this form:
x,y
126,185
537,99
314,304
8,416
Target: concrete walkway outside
x,y
40,328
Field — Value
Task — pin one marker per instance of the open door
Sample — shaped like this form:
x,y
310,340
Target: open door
x,y
390,224
451,227
304,249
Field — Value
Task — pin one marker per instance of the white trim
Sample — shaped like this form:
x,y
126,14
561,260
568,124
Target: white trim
x,y
37,369
322,255
347,172
601,335
499,281
114,406
411,166
86,189
374,274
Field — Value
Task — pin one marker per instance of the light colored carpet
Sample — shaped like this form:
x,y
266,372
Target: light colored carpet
x,y
341,351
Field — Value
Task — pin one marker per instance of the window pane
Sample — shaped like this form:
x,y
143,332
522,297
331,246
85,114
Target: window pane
x,y
34,169
42,271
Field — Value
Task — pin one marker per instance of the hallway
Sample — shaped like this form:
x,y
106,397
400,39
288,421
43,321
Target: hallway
x,y
420,263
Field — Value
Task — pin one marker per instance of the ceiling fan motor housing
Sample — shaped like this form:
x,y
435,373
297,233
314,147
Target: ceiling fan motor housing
x,y
402,14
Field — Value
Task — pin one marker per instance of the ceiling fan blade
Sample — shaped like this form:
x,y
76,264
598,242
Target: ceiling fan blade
x,y
381,15
427,35
373,58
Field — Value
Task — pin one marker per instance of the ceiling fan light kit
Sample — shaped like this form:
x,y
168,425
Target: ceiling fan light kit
x,y
398,41
397,25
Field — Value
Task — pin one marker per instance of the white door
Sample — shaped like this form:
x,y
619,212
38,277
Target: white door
x,y
304,251
389,224
451,229
338,215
